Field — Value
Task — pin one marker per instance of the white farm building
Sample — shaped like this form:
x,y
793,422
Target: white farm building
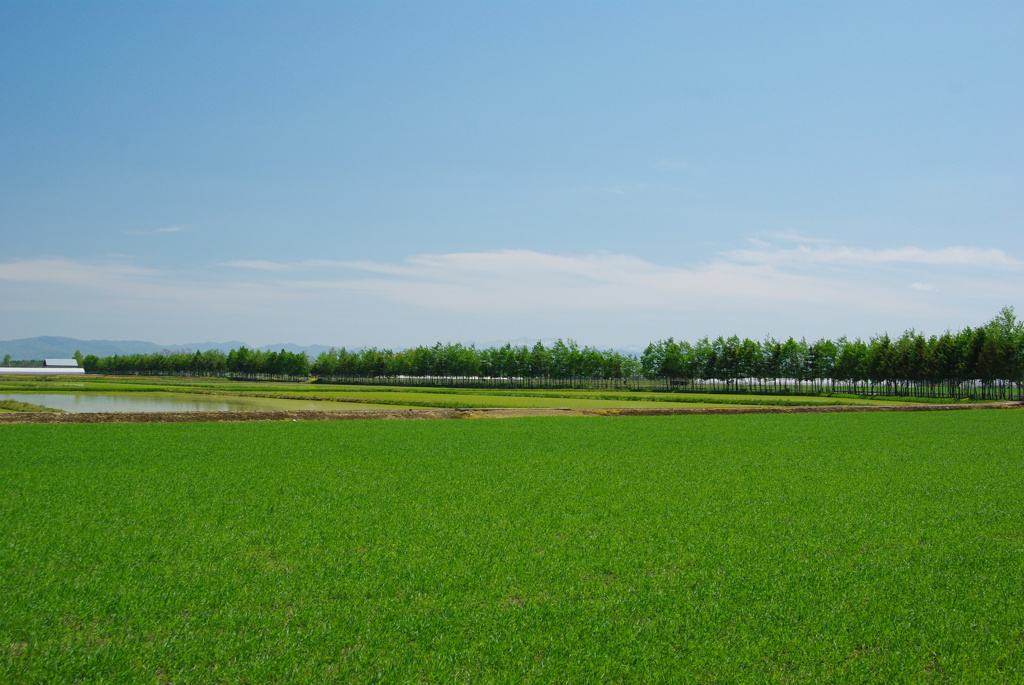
x,y
50,367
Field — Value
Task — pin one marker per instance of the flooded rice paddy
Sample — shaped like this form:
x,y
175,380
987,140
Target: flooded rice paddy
x,y
169,402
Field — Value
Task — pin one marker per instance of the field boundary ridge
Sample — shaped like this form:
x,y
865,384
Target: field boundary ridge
x,y
466,413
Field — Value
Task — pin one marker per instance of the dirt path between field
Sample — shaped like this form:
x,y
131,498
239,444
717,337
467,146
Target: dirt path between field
x,y
420,414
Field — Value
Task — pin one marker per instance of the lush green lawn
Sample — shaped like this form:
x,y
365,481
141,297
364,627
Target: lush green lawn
x,y
793,548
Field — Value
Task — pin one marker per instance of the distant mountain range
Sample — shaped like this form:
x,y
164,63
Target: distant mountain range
x,y
53,347
50,347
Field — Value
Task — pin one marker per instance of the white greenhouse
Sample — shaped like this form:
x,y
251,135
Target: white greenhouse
x,y
50,367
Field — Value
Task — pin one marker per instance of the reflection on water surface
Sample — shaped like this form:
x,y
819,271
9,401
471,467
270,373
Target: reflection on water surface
x,y
160,401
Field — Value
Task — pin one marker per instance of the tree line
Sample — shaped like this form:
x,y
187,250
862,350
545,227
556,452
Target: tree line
x,y
564,359
984,361
240,363
987,361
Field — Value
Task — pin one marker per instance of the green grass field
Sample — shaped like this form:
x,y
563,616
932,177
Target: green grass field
x,y
12,405
367,397
763,548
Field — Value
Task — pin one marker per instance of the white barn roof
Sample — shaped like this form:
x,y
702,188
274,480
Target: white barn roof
x,y
73,363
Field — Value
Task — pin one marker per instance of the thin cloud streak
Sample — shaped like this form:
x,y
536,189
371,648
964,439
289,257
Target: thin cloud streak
x,y
157,231
257,264
68,272
848,256
87,281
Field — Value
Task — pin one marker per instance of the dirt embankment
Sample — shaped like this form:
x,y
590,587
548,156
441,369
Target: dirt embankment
x,y
420,414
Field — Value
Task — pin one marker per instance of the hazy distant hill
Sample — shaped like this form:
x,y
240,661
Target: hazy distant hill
x,y
49,347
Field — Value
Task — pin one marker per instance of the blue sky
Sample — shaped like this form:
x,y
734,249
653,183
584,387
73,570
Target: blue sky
x,y
398,173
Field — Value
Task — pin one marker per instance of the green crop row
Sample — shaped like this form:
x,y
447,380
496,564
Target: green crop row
x,y
784,548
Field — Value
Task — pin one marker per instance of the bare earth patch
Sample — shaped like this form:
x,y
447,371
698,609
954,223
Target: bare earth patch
x,y
420,414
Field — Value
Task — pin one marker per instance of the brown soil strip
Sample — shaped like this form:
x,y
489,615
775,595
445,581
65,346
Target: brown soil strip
x,y
419,414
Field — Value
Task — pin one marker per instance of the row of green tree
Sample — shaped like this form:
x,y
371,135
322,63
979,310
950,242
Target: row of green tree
x,y
564,359
241,363
991,355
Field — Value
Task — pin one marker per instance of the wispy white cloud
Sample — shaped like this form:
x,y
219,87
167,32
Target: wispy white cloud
x,y
623,295
525,280
794,237
258,264
864,257
156,231
72,273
